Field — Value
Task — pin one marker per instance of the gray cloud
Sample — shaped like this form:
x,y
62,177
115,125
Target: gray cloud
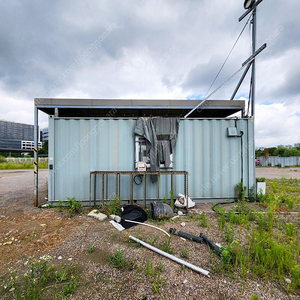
x,y
170,48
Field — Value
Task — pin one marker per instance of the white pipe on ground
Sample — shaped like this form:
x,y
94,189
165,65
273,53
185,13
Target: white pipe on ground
x,y
118,219
147,225
172,257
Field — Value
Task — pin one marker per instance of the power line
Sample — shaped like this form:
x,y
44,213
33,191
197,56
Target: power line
x,y
228,56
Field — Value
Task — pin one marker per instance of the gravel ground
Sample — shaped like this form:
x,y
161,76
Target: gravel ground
x,y
36,232
272,173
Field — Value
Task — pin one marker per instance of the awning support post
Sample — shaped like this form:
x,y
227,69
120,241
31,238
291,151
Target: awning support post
x,y
36,168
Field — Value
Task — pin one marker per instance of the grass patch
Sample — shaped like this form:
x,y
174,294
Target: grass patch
x,y
42,280
119,262
272,248
184,253
73,206
18,166
165,246
112,207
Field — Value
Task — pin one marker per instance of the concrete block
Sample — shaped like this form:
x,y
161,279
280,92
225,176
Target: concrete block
x,y
97,215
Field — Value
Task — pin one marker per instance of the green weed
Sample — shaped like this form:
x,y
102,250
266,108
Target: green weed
x,y
113,207
270,256
203,219
295,271
118,261
41,281
240,191
273,246
261,221
221,222
150,269
91,249
157,283
153,240
290,229
160,267
229,234
74,207
172,199
166,246
184,253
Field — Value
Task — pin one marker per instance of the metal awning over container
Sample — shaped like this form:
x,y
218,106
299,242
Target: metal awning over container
x,y
88,135
138,108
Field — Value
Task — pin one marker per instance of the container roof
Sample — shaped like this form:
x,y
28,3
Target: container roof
x,y
138,108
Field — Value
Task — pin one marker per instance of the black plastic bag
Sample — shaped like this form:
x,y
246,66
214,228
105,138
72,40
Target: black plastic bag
x,y
132,213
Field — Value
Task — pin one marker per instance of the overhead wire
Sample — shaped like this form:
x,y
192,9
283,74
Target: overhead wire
x,y
228,56
250,87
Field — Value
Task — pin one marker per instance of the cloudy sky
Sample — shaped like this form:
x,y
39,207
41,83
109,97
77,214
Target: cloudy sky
x,y
152,49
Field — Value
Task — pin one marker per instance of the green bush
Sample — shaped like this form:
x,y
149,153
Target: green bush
x,y
240,191
113,207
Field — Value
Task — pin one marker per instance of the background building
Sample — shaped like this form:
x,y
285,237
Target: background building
x,y
44,135
16,136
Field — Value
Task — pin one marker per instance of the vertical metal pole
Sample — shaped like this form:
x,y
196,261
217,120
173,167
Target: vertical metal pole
x,y
119,184
187,190
36,168
130,189
253,64
144,177
253,84
102,189
95,187
172,184
106,198
116,184
90,188
158,186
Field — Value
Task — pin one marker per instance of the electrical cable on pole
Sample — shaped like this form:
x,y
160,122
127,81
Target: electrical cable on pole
x,y
228,55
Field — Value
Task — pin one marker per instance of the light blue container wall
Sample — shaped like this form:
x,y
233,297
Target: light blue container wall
x,y
213,160
80,146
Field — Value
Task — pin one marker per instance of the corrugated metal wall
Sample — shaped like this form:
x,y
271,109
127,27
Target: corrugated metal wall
x,y
213,160
279,161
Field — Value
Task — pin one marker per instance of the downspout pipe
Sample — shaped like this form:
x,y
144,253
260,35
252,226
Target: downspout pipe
x,y
172,257
242,152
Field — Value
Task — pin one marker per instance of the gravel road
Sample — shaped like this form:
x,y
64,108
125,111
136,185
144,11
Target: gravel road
x,y
17,187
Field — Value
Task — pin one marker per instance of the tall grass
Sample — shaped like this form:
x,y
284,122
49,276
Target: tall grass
x,y
17,166
272,247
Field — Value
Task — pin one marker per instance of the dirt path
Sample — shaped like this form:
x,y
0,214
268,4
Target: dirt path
x,y
17,188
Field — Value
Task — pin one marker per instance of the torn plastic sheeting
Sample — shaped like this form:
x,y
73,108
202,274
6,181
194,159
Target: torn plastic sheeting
x,y
117,225
172,257
183,202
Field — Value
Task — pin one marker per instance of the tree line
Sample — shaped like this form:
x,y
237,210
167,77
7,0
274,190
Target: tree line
x,y
278,151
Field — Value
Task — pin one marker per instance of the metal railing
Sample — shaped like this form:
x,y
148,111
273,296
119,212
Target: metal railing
x,y
118,174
